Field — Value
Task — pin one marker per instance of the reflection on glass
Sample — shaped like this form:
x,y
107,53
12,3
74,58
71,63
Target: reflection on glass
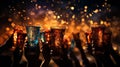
x,y
57,35
33,33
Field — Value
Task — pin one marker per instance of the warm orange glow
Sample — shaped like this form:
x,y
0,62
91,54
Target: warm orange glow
x,y
82,19
32,13
13,24
29,23
91,22
101,22
96,11
72,7
84,47
7,28
50,19
85,10
73,16
115,48
88,37
85,7
15,38
100,34
9,19
90,15
1,41
58,17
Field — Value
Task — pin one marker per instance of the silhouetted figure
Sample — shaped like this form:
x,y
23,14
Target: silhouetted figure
x,y
109,49
116,57
8,44
74,60
32,55
46,54
18,52
6,54
79,46
101,41
60,48
54,49
5,61
88,42
65,60
17,57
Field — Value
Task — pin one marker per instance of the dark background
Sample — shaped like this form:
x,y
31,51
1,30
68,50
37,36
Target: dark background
x,y
4,10
4,5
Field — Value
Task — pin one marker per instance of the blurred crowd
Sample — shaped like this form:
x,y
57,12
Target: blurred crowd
x,y
55,53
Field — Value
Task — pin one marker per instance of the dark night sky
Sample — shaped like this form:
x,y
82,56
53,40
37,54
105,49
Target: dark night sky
x,y
4,10
4,4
